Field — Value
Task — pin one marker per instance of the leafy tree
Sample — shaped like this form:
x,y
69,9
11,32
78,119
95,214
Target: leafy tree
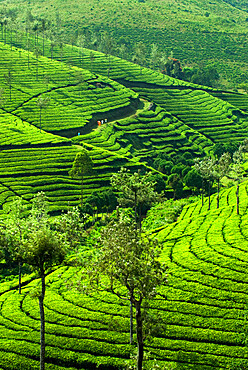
x,y
237,172
43,249
122,49
162,62
81,40
8,80
220,169
42,103
193,179
52,43
159,182
37,53
154,56
44,27
205,169
91,60
126,260
134,190
139,55
81,167
35,29
108,46
175,182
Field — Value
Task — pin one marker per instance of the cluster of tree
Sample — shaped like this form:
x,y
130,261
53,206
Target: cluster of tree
x,y
208,171
201,75
32,241
175,168
30,237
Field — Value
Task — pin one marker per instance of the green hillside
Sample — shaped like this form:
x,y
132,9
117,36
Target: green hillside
x,y
52,96
206,254
198,32
147,113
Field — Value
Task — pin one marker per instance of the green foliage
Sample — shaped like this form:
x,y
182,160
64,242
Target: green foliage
x,y
164,213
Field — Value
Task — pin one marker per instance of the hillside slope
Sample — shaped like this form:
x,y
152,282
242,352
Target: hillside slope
x,y
202,309
198,32
147,113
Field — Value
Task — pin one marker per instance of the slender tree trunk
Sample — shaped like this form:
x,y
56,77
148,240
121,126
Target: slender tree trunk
x,y
140,218
139,332
11,39
37,66
209,201
20,277
218,193
131,321
42,322
237,195
82,191
43,44
28,51
40,119
135,208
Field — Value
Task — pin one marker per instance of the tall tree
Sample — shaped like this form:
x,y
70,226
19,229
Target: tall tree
x,y
154,56
108,47
139,55
128,261
134,190
205,168
237,171
91,60
44,27
42,103
82,166
43,249
81,40
220,169
37,53
8,80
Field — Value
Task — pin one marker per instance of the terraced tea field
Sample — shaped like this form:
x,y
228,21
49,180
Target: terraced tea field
x,y
32,158
152,113
147,113
202,306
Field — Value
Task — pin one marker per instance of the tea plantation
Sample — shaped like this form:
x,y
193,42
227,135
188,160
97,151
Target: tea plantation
x,y
202,306
48,107
49,111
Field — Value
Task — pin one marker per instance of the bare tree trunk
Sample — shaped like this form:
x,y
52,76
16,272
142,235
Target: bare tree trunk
x,y
209,201
20,277
237,195
218,193
202,194
139,332
40,119
28,51
42,322
135,208
131,321
43,45
82,191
